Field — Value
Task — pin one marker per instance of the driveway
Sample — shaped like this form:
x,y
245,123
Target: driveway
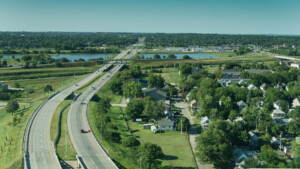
x,y
193,132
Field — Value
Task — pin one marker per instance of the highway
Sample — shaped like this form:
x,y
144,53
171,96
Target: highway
x,y
39,152
85,144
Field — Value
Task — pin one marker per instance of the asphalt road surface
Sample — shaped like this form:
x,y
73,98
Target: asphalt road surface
x,y
40,153
85,144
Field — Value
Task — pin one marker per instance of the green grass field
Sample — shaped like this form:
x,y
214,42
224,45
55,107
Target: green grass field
x,y
12,137
20,73
174,145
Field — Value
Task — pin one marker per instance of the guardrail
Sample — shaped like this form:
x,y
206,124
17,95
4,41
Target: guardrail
x,y
27,131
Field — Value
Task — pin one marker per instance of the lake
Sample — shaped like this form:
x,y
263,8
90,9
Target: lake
x,y
86,57
179,56
10,56
71,57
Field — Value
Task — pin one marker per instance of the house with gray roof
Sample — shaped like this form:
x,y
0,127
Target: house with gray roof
x,y
252,87
157,94
241,104
165,124
278,113
263,87
231,74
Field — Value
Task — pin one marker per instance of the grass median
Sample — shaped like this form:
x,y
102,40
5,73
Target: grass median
x,y
64,147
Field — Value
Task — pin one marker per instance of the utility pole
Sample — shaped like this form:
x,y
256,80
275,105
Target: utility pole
x,y
181,126
66,142
101,133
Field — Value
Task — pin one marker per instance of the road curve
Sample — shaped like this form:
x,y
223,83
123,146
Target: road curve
x,y
85,144
38,149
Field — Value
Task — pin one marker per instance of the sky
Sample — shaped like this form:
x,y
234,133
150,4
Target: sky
x,y
167,16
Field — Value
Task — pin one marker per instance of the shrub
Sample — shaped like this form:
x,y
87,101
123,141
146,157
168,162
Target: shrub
x,y
130,141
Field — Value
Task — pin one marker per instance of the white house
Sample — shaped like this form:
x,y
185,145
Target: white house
x,y
278,113
239,119
204,122
187,97
295,65
296,102
276,105
263,87
252,87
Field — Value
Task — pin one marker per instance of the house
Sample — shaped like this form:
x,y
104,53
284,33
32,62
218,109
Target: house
x,y
258,71
187,97
194,104
204,122
243,81
289,152
153,129
241,104
283,121
165,124
252,87
128,100
138,121
278,87
278,113
231,74
148,126
253,139
240,154
156,93
227,82
276,105
296,102
295,65
3,86
263,87
196,70
239,119
275,141
169,114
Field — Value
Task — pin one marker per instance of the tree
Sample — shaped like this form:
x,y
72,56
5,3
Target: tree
x,y
218,73
153,110
171,56
116,87
269,156
252,163
132,89
185,124
134,108
103,106
48,88
186,57
130,141
12,106
156,81
185,69
214,145
156,56
150,154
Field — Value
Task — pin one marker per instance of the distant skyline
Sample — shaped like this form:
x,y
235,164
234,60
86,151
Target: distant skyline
x,y
279,17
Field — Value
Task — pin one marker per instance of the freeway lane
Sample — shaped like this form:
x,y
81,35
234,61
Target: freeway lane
x,y
85,144
40,153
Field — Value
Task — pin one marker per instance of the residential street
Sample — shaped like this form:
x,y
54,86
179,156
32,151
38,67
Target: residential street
x,y
193,133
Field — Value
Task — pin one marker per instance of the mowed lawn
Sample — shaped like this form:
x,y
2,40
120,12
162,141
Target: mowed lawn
x,y
174,145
